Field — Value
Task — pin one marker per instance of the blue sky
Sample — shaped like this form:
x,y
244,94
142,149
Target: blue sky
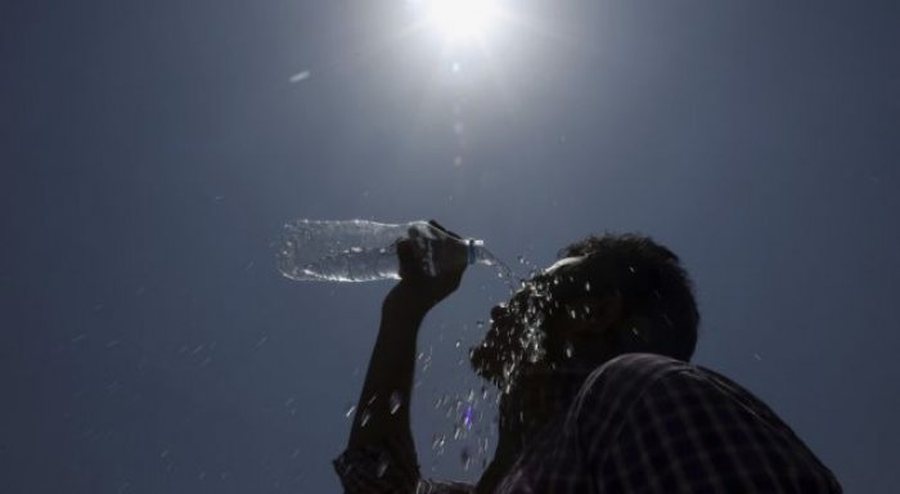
x,y
150,152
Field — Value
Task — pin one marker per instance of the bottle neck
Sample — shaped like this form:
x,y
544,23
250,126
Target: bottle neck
x,y
477,252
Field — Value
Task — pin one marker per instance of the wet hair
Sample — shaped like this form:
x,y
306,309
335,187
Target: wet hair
x,y
652,284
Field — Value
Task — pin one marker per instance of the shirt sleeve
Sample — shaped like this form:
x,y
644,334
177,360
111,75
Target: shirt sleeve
x,y
691,430
380,470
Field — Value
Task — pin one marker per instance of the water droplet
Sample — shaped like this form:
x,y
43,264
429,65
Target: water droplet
x,y
637,333
466,458
300,76
438,441
458,343
570,349
382,468
479,324
468,417
365,418
587,286
483,445
349,411
396,402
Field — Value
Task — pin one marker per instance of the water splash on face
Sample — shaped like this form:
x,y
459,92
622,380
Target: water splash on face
x,y
516,341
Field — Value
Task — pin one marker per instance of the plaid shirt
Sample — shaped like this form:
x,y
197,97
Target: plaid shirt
x,y
640,423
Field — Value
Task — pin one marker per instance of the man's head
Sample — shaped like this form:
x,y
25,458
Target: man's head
x,y
606,296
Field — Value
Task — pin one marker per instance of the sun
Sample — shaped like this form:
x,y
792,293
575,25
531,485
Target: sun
x,y
460,20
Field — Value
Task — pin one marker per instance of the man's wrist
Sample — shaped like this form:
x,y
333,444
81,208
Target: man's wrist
x,y
407,299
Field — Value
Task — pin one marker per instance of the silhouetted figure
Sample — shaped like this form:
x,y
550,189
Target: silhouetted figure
x,y
598,397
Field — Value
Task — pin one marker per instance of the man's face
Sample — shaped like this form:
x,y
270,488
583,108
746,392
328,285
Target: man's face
x,y
539,327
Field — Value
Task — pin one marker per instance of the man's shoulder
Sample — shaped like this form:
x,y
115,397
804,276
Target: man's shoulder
x,y
611,389
634,370
609,394
641,362
624,379
637,405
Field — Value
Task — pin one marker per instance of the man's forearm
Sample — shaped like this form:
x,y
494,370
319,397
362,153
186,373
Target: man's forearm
x,y
383,408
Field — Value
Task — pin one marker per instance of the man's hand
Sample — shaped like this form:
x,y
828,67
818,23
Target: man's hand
x,y
431,265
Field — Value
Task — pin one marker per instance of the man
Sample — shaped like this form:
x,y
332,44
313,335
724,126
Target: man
x,y
597,395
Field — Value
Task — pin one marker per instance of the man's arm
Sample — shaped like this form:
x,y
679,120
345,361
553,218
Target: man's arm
x,y
381,432
383,408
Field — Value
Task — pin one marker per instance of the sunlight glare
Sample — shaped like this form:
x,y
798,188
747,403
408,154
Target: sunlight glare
x,y
461,20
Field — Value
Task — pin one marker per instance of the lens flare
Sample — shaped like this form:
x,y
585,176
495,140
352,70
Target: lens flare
x,y
461,20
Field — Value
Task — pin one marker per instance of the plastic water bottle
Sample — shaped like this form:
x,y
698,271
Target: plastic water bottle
x,y
357,250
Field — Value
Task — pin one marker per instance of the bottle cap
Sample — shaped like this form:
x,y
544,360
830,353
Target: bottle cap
x,y
473,245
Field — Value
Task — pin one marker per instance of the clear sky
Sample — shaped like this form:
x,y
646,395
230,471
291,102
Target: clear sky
x,y
151,151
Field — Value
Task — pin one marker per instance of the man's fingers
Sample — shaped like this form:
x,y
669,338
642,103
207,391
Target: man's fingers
x,y
437,225
405,251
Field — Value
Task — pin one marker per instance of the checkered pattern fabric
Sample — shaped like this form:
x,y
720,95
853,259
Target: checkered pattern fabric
x,y
639,424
